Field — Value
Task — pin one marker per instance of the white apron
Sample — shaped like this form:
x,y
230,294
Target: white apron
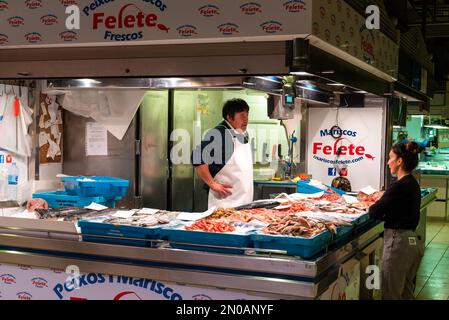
x,y
238,173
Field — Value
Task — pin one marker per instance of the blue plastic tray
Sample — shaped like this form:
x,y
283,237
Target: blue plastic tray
x,y
108,187
295,246
58,199
206,238
117,231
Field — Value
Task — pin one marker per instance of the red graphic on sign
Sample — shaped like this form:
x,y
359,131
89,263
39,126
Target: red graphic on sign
x,y
129,295
367,44
228,28
3,39
9,158
49,20
67,3
24,267
271,26
163,27
251,8
33,4
350,149
16,21
68,36
39,283
209,10
33,37
187,30
7,279
327,34
322,12
127,21
3,5
295,6
24,296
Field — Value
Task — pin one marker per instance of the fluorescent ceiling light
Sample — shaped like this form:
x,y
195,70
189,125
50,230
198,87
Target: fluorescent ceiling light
x,y
335,84
272,79
309,87
397,127
88,82
301,73
361,91
328,72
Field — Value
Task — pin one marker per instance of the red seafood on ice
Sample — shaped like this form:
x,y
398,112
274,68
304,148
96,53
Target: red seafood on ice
x,y
210,226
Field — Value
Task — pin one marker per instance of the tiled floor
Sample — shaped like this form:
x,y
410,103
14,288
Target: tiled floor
x,y
433,276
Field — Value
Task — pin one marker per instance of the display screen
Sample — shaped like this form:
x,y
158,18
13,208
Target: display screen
x,y
289,99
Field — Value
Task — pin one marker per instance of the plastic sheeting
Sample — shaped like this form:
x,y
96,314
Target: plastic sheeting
x,y
14,135
113,109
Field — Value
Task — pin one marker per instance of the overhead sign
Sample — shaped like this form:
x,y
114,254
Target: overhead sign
x,y
337,23
110,22
356,154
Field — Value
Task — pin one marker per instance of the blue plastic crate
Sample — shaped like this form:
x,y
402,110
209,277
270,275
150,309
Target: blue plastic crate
x,y
344,235
363,223
295,246
58,199
199,238
303,186
91,228
362,219
94,186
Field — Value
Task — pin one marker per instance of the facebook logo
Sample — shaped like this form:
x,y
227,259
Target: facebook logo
x,y
332,172
2,158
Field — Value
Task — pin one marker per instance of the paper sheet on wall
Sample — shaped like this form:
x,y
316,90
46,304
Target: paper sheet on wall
x,y
42,122
96,140
42,139
59,117
54,149
43,109
50,129
114,109
55,131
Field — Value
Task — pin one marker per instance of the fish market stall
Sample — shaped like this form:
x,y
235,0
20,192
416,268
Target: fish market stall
x,y
150,238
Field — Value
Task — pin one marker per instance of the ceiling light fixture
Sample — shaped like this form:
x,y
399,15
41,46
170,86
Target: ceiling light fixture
x,y
88,82
435,126
301,73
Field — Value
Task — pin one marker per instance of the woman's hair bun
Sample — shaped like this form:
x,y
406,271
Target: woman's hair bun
x,y
413,147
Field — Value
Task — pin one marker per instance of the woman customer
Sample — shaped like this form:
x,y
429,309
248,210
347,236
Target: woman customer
x,y
399,207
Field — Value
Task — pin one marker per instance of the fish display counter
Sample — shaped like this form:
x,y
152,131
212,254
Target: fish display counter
x,y
96,256
437,178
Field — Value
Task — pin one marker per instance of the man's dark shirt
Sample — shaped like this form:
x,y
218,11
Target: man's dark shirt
x,y
215,153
